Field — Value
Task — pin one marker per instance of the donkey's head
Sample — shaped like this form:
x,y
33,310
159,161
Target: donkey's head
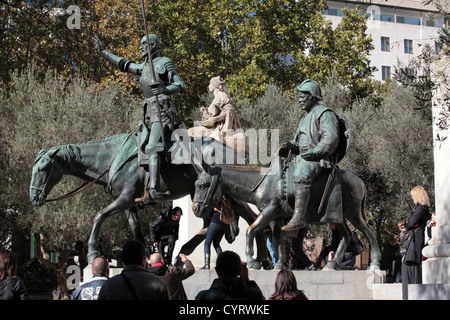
x,y
208,191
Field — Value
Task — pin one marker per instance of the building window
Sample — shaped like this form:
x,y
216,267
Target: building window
x,y
333,12
385,72
385,44
408,46
408,20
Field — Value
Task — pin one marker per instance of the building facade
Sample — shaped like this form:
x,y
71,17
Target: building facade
x,y
399,29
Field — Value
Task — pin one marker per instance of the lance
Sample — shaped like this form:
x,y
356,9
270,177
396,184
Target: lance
x,y
154,83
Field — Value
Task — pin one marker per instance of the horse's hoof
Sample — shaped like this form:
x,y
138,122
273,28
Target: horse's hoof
x,y
329,267
278,266
374,267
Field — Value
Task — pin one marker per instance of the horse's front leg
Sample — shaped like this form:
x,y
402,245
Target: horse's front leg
x,y
118,205
135,224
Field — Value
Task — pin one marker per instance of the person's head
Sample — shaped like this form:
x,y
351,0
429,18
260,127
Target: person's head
x,y
228,264
154,44
216,83
285,283
420,196
133,252
309,93
155,258
8,264
100,266
176,214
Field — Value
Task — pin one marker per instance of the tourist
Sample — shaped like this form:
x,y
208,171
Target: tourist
x,y
11,286
415,227
172,276
134,282
233,282
286,287
91,289
216,229
164,231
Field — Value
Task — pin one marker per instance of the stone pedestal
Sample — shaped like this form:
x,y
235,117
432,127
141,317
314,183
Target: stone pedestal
x,y
436,269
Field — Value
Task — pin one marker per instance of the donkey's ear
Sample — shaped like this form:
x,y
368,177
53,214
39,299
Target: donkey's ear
x,y
208,168
39,156
197,168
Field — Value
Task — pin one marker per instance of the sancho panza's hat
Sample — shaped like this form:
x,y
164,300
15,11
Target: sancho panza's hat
x,y
312,87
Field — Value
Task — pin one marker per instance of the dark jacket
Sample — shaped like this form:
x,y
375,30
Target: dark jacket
x,y
416,222
231,289
146,286
162,226
13,289
173,277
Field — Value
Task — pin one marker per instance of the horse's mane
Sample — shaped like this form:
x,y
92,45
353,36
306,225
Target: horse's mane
x,y
103,139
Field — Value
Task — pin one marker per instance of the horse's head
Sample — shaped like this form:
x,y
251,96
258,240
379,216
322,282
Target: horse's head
x,y
208,191
46,174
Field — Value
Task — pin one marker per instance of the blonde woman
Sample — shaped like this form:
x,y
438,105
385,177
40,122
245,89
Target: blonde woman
x,y
415,225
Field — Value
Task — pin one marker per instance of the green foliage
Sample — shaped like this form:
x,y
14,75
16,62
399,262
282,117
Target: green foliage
x,y
392,151
250,43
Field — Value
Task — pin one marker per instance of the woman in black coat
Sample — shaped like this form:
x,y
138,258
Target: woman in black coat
x,y
415,224
11,286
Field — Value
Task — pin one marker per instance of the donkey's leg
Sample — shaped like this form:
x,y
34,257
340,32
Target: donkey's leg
x,y
345,234
283,242
263,220
359,223
243,210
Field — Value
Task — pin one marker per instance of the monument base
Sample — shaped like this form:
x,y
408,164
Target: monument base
x,y
440,291
317,285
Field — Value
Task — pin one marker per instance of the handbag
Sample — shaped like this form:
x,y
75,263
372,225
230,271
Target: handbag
x,y
406,239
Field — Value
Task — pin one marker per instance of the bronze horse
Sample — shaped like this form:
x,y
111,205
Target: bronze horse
x,y
260,186
113,163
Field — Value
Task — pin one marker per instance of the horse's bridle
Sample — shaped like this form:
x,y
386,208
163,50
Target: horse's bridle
x,y
81,188
44,185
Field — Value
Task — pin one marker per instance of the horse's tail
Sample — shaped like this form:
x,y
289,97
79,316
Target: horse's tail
x,y
363,204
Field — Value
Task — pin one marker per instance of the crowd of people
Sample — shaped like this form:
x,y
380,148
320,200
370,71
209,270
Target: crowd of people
x,y
155,278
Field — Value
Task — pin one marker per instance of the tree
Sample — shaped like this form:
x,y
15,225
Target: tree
x,y
251,43
391,151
